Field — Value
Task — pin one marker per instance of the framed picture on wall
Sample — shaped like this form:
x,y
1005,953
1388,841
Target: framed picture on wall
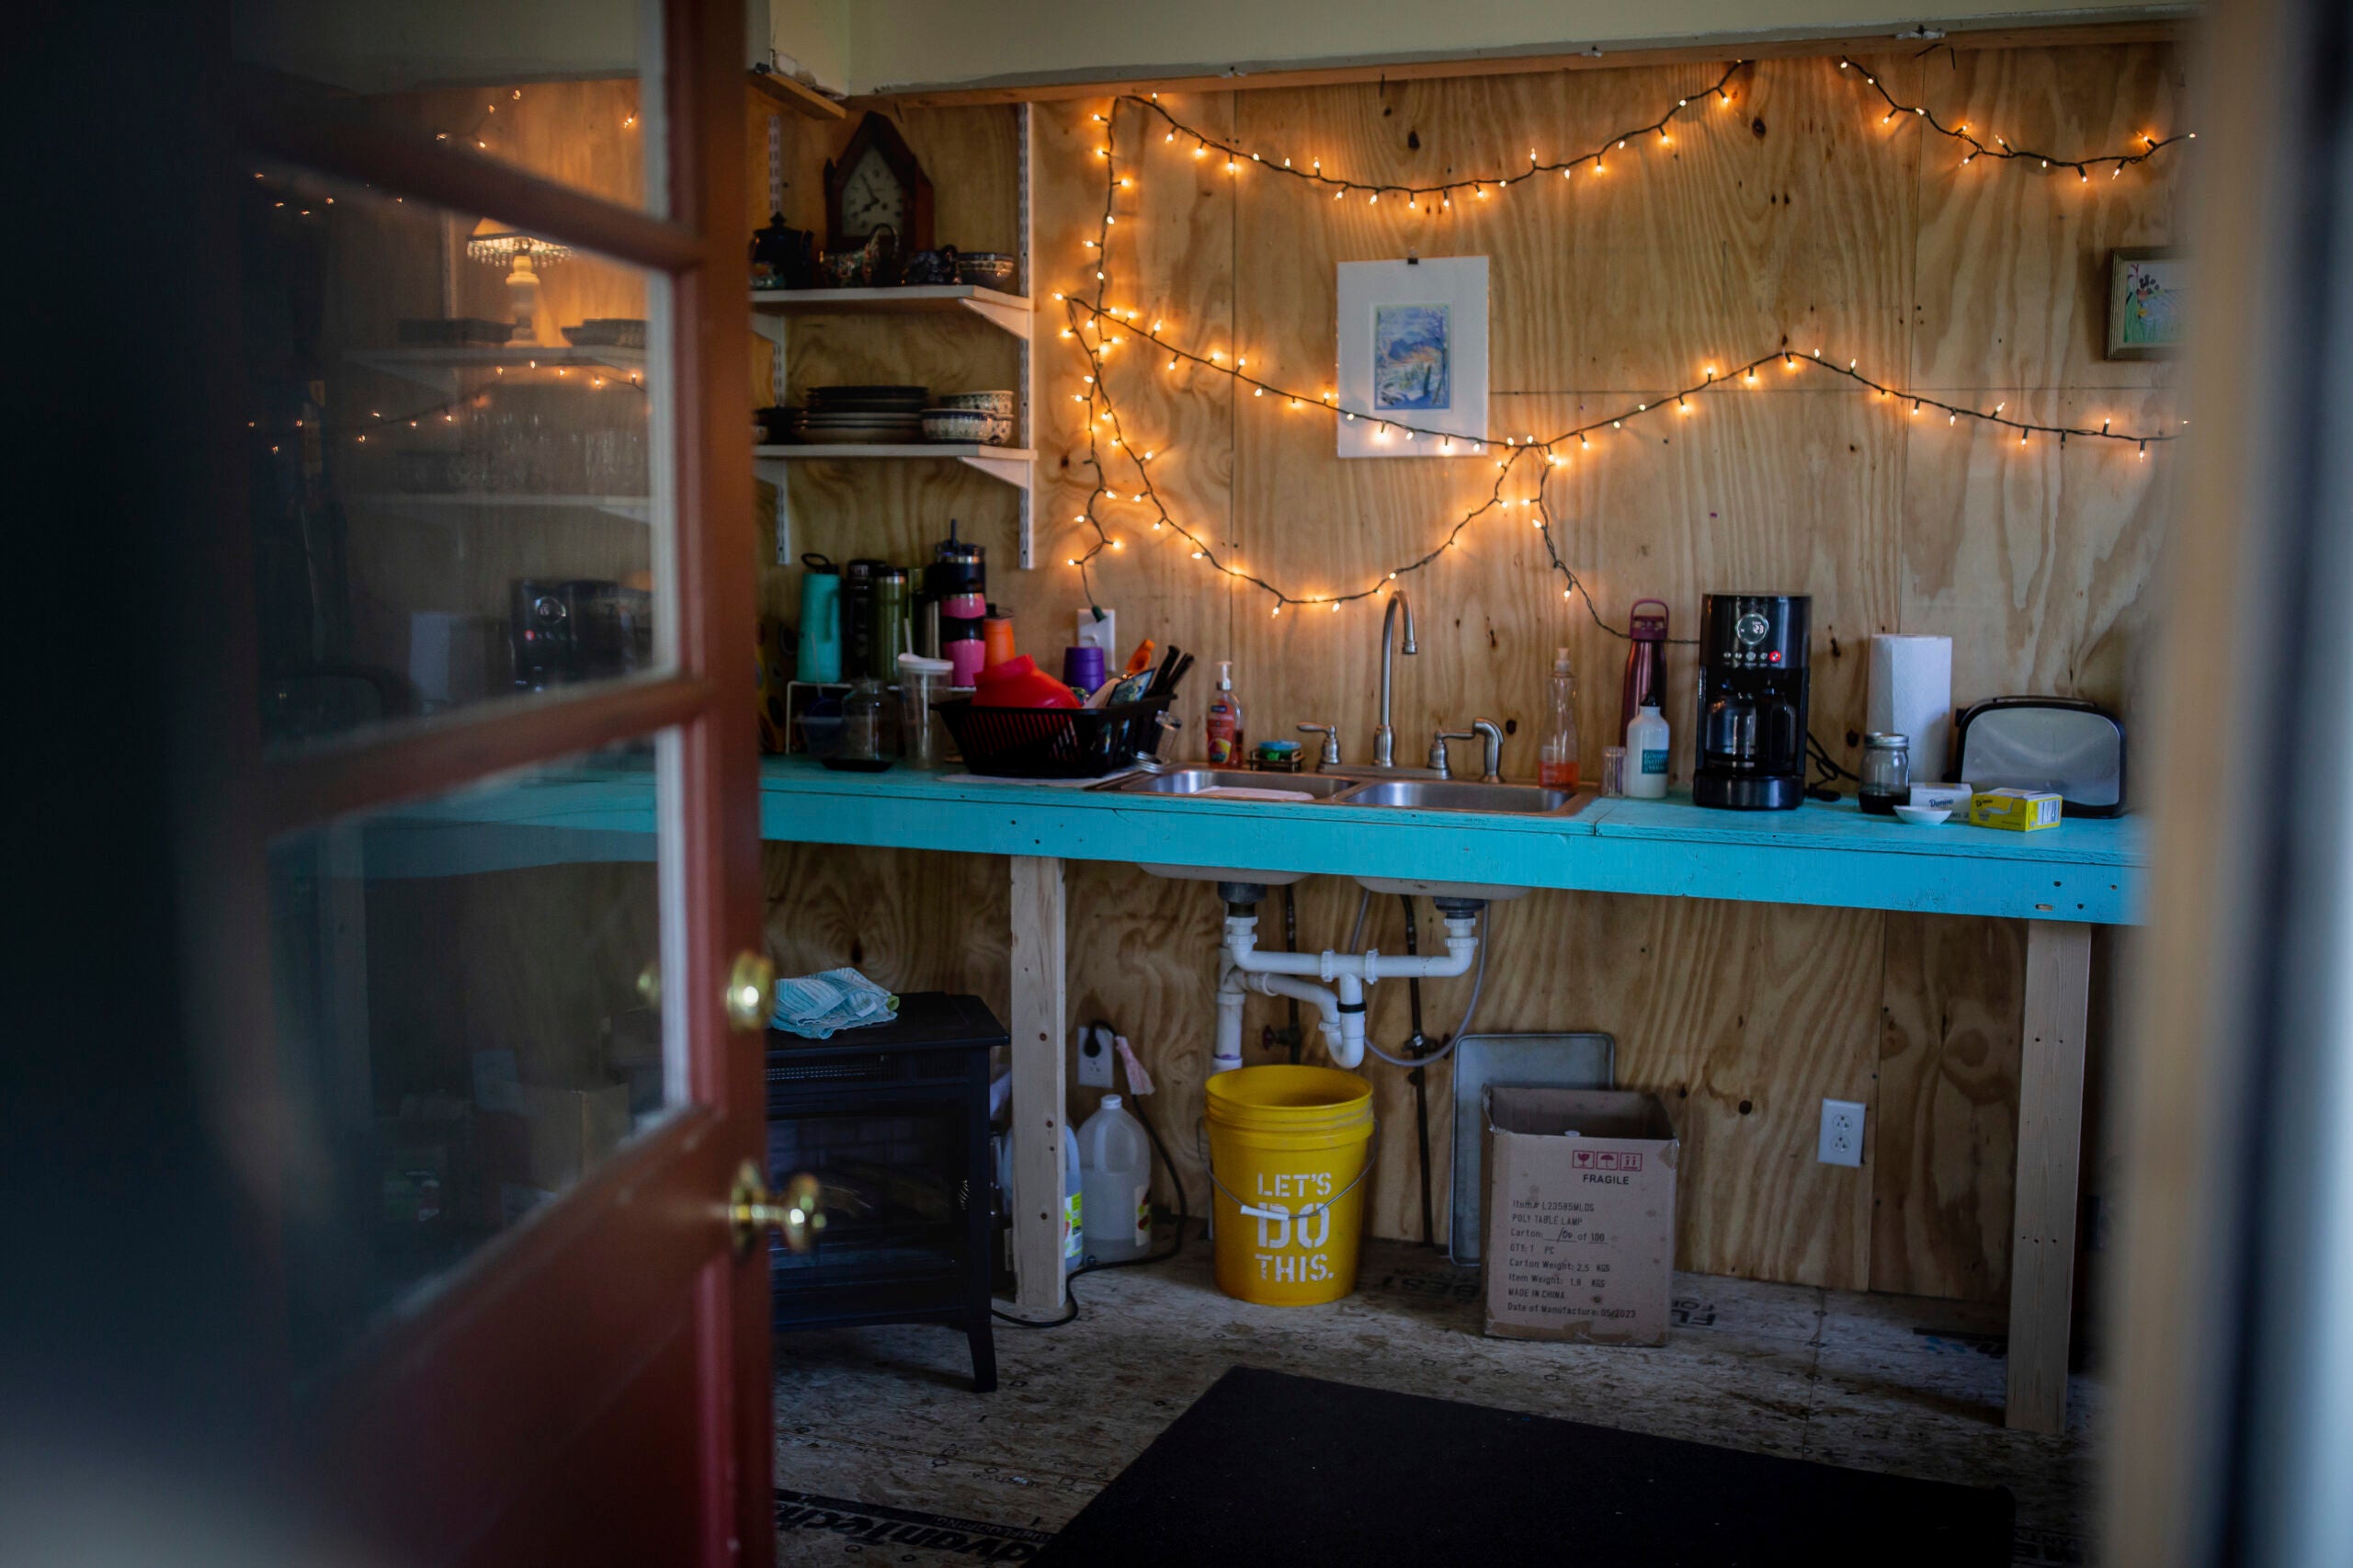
x,y
2148,303
1413,344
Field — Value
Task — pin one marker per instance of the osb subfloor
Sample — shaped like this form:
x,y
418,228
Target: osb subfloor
x,y
885,1456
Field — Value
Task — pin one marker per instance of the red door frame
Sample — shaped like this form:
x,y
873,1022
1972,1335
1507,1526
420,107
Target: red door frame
x,y
474,1426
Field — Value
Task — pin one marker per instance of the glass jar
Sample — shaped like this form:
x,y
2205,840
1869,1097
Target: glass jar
x,y
1887,773
869,736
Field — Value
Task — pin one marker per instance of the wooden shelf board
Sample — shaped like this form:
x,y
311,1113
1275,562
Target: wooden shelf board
x,y
1010,313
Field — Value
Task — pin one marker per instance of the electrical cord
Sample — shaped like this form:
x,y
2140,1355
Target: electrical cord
x,y
1823,788
1176,1246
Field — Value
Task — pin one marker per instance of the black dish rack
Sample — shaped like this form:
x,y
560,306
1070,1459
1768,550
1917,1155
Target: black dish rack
x,y
1054,743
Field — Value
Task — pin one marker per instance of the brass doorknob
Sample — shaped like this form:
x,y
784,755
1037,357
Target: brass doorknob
x,y
751,992
753,1211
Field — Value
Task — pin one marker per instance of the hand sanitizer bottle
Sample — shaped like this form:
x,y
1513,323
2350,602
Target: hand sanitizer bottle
x,y
1646,740
1223,723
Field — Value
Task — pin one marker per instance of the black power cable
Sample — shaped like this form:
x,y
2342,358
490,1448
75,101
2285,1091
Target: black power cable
x,y
1176,1246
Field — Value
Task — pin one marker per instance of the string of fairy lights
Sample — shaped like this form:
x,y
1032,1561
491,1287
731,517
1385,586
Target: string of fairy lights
x,y
1098,327
2000,147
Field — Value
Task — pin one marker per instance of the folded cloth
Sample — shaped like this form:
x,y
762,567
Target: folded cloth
x,y
814,1005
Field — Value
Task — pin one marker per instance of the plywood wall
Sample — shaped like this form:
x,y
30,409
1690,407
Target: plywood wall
x,y
1794,217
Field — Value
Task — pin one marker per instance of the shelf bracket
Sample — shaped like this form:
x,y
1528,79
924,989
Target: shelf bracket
x,y
1016,472
776,471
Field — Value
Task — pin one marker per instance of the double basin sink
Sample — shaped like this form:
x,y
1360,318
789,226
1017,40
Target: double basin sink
x,y
1343,789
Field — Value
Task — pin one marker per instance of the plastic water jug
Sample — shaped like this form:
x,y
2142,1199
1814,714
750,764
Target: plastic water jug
x,y
1115,1166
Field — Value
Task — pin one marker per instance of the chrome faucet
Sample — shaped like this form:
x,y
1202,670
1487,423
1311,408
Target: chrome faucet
x,y
1384,739
1491,758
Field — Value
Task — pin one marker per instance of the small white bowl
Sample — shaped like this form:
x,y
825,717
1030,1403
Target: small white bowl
x,y
1923,816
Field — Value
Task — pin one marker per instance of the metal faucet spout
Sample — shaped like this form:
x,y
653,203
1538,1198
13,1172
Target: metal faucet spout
x,y
1384,739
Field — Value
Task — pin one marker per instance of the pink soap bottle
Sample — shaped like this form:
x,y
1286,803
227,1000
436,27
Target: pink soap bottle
x,y
1223,725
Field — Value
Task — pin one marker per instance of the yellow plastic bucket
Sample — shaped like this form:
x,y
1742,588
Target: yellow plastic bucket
x,y
1289,1150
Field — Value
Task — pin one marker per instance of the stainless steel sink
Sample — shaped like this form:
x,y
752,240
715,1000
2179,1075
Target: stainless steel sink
x,y
1460,795
1196,780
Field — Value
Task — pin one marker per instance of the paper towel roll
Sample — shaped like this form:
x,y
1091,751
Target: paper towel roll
x,y
1911,694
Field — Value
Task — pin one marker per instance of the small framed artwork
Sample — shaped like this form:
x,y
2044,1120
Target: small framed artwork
x,y
1413,344
2148,303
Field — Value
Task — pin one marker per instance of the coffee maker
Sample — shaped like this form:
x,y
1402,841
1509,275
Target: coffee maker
x,y
1752,701
582,628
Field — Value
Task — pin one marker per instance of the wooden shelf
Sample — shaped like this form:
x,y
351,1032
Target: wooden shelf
x,y
438,505
1012,465
795,95
440,367
1008,312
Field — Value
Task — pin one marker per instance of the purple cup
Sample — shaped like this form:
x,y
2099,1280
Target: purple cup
x,y
1082,667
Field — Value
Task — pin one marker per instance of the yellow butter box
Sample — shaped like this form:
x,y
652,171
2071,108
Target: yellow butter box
x,y
2020,811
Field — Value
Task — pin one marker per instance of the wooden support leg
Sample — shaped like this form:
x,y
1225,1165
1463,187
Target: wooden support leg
x,y
1038,1026
2051,1126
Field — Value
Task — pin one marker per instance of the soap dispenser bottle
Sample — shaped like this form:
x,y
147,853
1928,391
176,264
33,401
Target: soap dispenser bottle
x,y
1223,725
1556,765
1646,748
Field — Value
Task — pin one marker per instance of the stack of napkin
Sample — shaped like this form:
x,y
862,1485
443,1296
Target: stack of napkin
x,y
814,1005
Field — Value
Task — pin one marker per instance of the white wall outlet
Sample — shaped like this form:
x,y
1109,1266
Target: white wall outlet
x,y
1094,1055
1103,635
1842,1133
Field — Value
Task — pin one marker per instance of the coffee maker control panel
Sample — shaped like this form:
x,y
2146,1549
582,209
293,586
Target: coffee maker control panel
x,y
1755,633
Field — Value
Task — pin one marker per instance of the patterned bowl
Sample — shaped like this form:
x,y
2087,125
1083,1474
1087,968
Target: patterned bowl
x,y
988,269
966,425
999,403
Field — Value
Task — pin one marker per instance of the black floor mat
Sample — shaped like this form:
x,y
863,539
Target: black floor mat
x,y
1270,1470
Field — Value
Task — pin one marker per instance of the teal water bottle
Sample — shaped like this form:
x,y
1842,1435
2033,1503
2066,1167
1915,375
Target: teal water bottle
x,y
821,619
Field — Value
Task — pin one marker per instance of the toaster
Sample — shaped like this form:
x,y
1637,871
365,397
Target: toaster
x,y
2065,744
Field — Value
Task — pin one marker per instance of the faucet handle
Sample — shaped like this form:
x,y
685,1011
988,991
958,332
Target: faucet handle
x,y
1331,733
1491,770
1437,748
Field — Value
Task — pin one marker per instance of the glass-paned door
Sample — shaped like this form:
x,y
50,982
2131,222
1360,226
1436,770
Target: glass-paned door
x,y
491,420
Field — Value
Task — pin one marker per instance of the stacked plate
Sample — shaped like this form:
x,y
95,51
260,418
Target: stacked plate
x,y
861,415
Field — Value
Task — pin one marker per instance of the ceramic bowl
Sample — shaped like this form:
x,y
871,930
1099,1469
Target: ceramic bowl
x,y
999,403
966,425
1923,816
990,269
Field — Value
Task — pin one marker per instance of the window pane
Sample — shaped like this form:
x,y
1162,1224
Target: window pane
x,y
458,459
467,993
554,89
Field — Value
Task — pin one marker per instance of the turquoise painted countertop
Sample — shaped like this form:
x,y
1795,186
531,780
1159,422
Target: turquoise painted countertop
x,y
1825,854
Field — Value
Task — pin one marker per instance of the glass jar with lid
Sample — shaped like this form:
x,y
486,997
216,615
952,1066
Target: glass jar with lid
x,y
1887,773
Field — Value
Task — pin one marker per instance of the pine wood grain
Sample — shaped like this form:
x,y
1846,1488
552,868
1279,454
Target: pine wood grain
x,y
1795,218
1948,1106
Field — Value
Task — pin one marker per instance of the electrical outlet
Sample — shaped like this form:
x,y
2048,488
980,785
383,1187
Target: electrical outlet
x,y
1842,1133
1094,1055
1103,635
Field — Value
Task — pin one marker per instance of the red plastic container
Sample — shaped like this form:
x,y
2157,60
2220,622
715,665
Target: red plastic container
x,y
1020,682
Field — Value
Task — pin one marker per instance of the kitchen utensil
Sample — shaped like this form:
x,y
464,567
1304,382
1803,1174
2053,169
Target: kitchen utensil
x,y
996,638
858,614
987,268
1923,816
821,619
1887,773
1141,659
966,425
1000,404
922,682
1752,701
2064,745
930,267
1082,667
1020,682
1052,743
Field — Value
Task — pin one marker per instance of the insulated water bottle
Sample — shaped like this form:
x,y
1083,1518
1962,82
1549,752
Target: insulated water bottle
x,y
821,619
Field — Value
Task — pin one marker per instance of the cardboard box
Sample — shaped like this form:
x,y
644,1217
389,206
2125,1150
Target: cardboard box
x,y
1580,1215
2020,810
